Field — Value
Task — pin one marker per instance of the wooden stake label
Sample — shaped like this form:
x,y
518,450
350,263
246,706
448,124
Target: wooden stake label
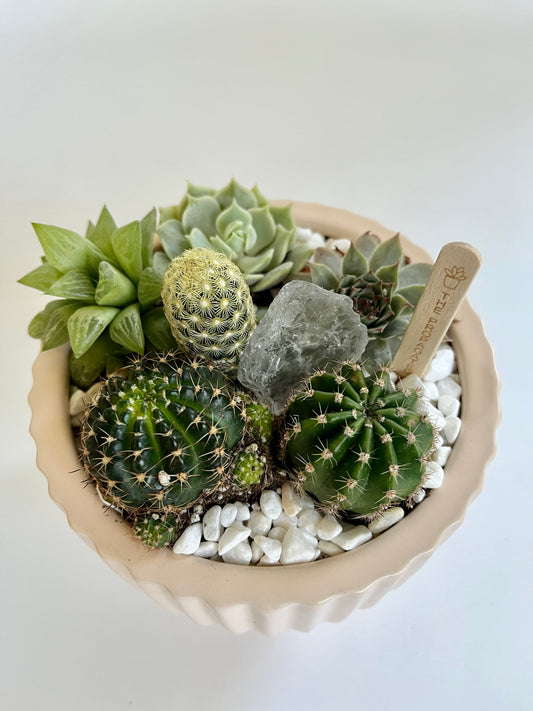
x,y
454,271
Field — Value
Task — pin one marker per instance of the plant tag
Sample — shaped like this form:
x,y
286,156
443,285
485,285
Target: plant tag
x,y
452,274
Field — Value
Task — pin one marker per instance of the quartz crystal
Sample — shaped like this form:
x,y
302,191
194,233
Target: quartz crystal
x,y
305,328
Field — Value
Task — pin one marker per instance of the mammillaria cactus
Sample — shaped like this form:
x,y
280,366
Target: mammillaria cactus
x,y
356,444
208,305
108,284
240,223
384,287
155,530
158,438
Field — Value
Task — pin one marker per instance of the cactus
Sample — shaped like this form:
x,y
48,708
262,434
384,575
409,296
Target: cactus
x,y
208,305
156,531
356,444
109,284
158,438
240,223
384,286
249,467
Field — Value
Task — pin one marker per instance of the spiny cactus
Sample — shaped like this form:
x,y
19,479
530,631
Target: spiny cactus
x,y
384,287
208,305
109,283
158,438
356,444
240,223
155,530
249,467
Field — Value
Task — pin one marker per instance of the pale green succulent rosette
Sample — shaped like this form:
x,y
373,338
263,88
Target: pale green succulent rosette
x,y
108,285
240,223
383,285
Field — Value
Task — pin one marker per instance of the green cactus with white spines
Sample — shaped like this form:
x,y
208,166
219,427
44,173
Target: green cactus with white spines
x,y
208,305
383,285
159,437
240,223
355,443
109,285
155,530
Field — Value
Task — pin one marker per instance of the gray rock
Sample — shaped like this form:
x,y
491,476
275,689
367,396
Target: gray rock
x,y
305,328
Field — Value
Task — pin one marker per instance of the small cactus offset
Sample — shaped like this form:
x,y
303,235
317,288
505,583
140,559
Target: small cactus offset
x,y
355,443
208,305
158,438
155,530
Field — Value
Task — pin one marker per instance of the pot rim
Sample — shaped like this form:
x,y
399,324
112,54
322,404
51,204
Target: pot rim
x,y
382,561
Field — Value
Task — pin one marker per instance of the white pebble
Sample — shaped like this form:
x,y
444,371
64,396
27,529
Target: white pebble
x,y
343,245
270,503
328,528
412,382
306,501
436,418
442,364
296,548
259,524
419,495
434,475
285,521
207,549
241,554
431,391
228,515
308,521
265,560
78,402
278,533
243,512
329,548
231,537
311,239
189,540
437,441
290,500
448,386
352,537
385,520
212,527
441,455
449,405
312,539
257,552
270,546
195,518
451,429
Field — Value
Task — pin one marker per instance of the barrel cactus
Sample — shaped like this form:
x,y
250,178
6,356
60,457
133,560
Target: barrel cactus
x,y
158,438
383,285
356,444
240,223
208,305
109,284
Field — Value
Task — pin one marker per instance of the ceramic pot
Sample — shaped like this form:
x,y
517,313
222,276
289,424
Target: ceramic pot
x,y
271,599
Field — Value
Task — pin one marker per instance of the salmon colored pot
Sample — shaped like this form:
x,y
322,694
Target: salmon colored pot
x,y
271,599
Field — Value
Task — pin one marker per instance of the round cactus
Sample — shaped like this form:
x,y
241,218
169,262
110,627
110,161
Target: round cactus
x,y
356,444
208,305
158,438
156,531
249,467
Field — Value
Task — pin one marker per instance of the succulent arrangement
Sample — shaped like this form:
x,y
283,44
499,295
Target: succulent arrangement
x,y
162,310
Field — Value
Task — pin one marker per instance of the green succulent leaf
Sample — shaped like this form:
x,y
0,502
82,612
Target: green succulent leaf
x,y
261,199
149,289
250,265
389,274
388,253
199,190
323,276
169,213
114,288
63,249
395,328
399,303
161,262
265,229
283,216
86,324
414,274
172,238
367,244
253,278
234,191
126,329
41,278
354,262
157,330
56,329
233,225
280,245
329,259
273,277
201,212
219,245
90,230
101,235
85,370
148,228
198,239
75,284
127,245
37,325
411,294
299,256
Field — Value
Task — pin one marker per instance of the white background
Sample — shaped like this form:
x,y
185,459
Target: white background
x,y
416,113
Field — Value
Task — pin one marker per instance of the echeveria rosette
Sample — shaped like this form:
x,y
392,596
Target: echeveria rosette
x,y
240,223
108,285
384,286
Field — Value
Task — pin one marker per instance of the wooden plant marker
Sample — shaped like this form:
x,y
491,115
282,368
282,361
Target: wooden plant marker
x,y
453,272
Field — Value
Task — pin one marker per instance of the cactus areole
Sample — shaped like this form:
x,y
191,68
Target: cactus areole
x,y
158,438
357,445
